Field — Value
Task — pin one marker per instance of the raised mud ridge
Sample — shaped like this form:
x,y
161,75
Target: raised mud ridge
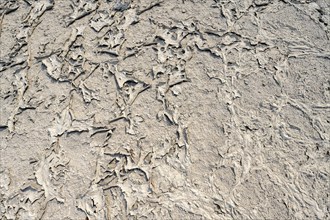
x,y
172,109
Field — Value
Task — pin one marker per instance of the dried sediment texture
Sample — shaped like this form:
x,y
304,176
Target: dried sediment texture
x,y
140,109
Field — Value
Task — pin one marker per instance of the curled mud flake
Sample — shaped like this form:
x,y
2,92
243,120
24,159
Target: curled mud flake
x,y
75,33
89,94
92,203
43,54
171,37
149,7
19,60
116,203
129,87
162,89
97,130
158,70
137,176
61,124
54,66
184,53
176,90
122,78
260,3
48,175
19,49
130,19
182,135
130,128
214,51
121,5
177,78
229,39
163,54
136,90
22,85
134,191
101,20
131,52
32,191
6,7
38,9
100,137
111,42
80,9
170,113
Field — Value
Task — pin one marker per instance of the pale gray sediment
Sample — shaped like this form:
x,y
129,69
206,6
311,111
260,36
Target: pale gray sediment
x,y
140,109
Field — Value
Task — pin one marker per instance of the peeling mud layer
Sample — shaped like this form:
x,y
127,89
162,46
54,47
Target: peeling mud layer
x,y
147,109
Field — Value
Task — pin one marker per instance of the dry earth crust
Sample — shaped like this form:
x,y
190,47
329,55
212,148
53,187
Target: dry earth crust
x,y
172,109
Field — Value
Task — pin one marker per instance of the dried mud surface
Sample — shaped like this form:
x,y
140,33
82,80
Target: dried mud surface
x,y
137,109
